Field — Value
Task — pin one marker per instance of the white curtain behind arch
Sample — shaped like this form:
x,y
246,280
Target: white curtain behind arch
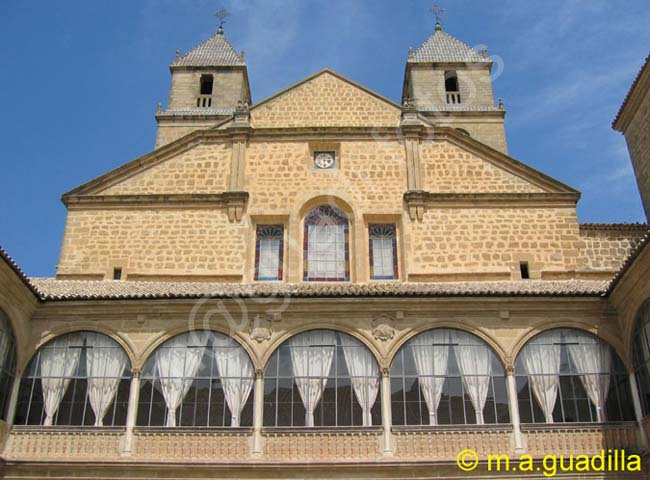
x,y
592,359
311,358
177,366
475,363
105,364
58,362
364,374
431,352
236,372
541,359
5,339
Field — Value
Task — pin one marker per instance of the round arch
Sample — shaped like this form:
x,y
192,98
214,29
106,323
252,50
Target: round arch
x,y
339,200
81,327
325,377
76,377
497,349
163,337
537,330
288,334
567,374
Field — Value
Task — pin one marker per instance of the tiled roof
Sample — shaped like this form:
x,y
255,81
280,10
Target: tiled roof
x,y
443,48
641,227
196,111
14,266
645,65
215,51
52,289
629,261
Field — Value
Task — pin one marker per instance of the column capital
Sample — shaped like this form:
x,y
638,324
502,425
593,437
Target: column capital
x,y
259,374
135,372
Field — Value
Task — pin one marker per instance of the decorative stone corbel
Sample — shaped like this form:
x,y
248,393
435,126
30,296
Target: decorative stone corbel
x,y
415,202
235,204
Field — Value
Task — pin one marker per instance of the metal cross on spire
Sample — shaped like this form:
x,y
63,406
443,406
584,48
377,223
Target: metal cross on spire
x,y
438,11
221,14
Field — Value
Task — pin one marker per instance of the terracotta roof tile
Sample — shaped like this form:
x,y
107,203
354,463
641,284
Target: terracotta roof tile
x,y
629,261
645,65
53,289
14,266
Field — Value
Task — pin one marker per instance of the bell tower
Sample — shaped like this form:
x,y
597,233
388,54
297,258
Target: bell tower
x,y
207,84
450,83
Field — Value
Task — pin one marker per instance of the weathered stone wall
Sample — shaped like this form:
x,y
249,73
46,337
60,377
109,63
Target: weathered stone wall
x,y
605,247
450,169
161,241
638,143
202,169
229,87
325,101
428,85
492,240
489,131
173,128
281,176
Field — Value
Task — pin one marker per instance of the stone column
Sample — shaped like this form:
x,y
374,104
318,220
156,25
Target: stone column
x,y
258,412
386,413
132,412
514,410
638,411
13,399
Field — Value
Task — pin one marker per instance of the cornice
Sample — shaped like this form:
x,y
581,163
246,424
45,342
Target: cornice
x,y
634,98
224,199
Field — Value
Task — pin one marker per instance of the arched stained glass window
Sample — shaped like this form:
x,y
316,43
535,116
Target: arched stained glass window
x,y
567,375
80,378
326,245
446,376
322,378
7,363
197,379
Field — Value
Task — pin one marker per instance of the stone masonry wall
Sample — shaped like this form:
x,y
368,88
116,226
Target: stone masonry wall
x,y
187,241
638,143
428,85
325,101
228,88
281,175
203,169
493,240
447,168
605,248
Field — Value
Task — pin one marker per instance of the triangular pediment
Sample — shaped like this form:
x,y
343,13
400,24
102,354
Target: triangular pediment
x,y
326,99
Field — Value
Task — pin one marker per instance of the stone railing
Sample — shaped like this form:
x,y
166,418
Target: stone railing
x,y
453,98
330,445
444,442
214,446
101,444
204,101
319,445
580,438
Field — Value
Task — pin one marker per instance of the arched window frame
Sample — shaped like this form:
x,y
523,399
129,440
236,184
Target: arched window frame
x,y
436,376
326,216
208,393
342,389
573,402
641,355
7,362
95,362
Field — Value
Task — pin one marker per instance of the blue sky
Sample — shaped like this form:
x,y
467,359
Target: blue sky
x,y
80,82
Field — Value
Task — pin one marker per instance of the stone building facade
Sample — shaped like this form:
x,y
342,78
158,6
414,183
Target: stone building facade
x,y
327,284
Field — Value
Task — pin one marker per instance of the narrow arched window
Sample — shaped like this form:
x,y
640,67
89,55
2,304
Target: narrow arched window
x,y
207,83
446,376
322,378
452,88
451,81
7,363
567,375
641,351
326,245
80,378
197,379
